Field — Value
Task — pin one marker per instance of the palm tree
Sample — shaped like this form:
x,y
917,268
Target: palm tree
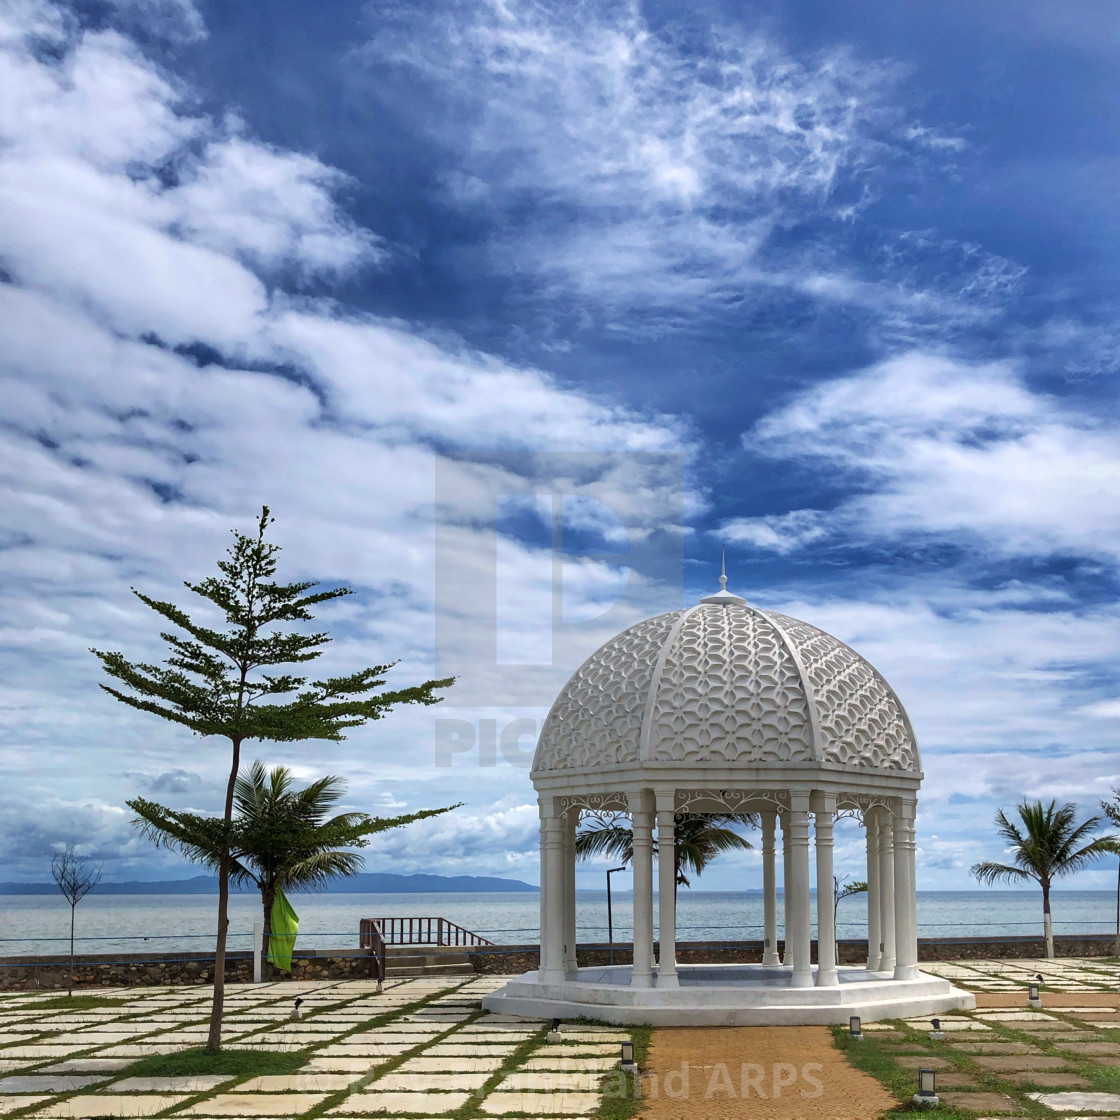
x,y
1049,845
699,838
280,837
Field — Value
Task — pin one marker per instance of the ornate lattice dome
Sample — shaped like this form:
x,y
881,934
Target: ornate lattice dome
x,y
726,683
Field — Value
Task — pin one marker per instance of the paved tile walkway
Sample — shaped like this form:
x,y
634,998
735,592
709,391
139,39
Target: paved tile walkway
x,y
423,1048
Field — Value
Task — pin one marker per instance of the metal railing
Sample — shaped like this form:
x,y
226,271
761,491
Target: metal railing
x,y
416,931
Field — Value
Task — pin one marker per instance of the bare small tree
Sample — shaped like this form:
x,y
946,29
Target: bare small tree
x,y
75,877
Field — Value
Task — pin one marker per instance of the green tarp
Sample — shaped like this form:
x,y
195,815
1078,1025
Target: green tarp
x,y
285,926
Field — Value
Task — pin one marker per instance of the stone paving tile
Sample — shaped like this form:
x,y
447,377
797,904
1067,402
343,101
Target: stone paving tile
x,y
571,1065
1051,1080
455,1050
1007,1062
430,1104
989,1046
320,1064
40,1051
540,1104
427,1064
429,1082
305,1081
953,1080
138,1050
1079,1102
979,1102
255,1104
369,1050
923,1061
189,1083
107,1104
10,1104
1015,1017
49,1082
533,1082
1110,1049
404,1027
578,1049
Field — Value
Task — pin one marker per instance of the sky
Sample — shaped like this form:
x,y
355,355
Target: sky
x,y
515,315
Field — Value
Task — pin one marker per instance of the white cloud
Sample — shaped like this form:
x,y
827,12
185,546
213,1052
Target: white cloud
x,y
679,158
781,533
932,446
128,452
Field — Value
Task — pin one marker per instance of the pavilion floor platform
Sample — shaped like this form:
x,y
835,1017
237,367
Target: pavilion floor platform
x,y
727,995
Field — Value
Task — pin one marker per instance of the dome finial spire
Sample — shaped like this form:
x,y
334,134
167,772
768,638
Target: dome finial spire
x,y
723,597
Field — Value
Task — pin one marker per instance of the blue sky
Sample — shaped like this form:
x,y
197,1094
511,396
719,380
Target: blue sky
x,y
833,286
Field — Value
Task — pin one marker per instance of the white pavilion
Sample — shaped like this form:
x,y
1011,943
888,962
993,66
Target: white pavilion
x,y
725,707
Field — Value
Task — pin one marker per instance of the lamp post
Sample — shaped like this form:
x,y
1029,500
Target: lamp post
x,y
610,915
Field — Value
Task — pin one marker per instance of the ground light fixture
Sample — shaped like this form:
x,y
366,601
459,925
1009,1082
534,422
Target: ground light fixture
x,y
295,1009
854,1029
1034,999
937,1034
554,1031
626,1061
926,1096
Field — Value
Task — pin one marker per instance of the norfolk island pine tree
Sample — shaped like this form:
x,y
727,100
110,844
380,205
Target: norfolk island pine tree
x,y
213,683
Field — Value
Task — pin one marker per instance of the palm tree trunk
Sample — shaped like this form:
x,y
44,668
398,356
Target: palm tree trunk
x,y
1047,923
70,974
214,1039
268,897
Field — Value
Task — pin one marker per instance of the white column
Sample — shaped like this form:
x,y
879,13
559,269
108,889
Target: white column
x,y
886,892
641,813
787,892
905,895
570,965
826,915
667,891
552,893
799,935
769,894
874,934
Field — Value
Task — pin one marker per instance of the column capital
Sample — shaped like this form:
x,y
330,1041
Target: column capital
x,y
665,800
904,807
798,801
822,802
641,801
549,807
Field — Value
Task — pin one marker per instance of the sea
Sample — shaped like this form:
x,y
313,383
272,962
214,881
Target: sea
x,y
39,925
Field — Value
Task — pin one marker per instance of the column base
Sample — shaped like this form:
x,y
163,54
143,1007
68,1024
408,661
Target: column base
x,y
771,960
668,979
801,980
641,980
906,972
551,976
828,979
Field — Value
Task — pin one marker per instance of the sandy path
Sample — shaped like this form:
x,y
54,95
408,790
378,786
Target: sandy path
x,y
766,1073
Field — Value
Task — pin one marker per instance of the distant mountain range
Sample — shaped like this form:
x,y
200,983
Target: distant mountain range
x,y
368,883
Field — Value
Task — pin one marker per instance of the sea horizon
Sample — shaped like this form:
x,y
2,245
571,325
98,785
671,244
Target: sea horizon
x,y
37,925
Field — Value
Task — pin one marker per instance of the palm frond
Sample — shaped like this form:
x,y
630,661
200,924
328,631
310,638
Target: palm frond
x,y
991,873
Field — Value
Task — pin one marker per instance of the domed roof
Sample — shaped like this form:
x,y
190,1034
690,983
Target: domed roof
x,y
723,683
